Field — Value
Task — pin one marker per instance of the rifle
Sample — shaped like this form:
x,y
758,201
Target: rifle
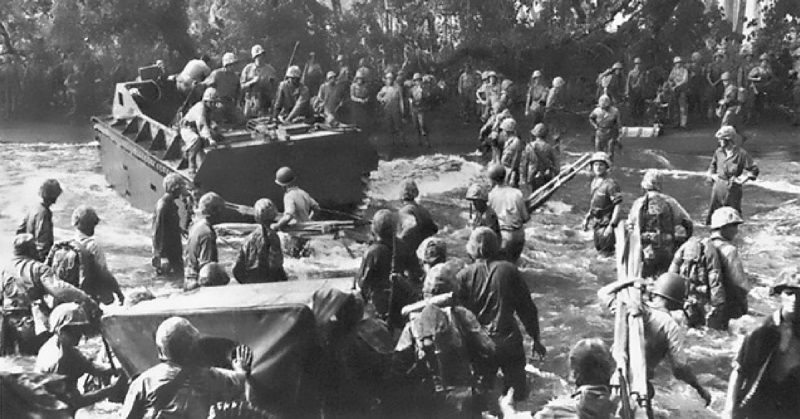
x,y
294,51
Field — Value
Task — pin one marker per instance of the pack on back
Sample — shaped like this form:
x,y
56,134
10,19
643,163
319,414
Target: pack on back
x,y
694,265
436,334
656,225
65,261
735,293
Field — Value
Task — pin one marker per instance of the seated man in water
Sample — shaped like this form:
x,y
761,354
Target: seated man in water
x,y
179,387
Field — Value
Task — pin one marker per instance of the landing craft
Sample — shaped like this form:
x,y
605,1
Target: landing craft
x,y
139,147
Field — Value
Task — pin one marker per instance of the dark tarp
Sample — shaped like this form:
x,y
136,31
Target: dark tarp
x,y
274,319
30,395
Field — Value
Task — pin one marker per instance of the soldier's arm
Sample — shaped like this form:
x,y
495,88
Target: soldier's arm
x,y
750,168
42,232
300,104
525,308
677,261
679,361
716,288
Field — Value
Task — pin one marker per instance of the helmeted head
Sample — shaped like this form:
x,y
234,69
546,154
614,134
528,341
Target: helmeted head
x,y
497,173
409,190
677,60
652,180
174,184
384,224
590,363
726,133
67,316
536,74
604,101
213,274
637,60
256,50
417,77
24,245
539,130
671,287
264,211
788,278
725,216
559,82
506,84
617,66
485,76
360,74
389,77
483,243
340,59
85,219
211,205
228,59
330,75
600,156
726,76
50,191
293,72
696,57
432,250
176,340
763,57
509,125
284,176
438,280
491,74
210,95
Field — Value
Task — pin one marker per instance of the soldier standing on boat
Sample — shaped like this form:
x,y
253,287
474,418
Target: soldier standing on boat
x,y
198,129
293,101
731,167
605,208
167,231
258,81
764,381
226,81
298,207
605,120
39,222
260,257
189,81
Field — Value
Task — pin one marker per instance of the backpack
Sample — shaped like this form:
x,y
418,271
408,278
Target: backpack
x,y
656,225
438,336
736,295
65,261
694,266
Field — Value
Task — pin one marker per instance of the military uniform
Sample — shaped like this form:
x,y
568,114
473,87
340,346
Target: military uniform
x,y
260,258
201,248
167,233
539,163
607,128
658,245
39,223
509,205
293,102
537,99
422,227
606,194
258,96
197,132
511,158
727,192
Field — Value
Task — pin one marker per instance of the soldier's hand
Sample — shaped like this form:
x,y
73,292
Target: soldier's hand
x,y
705,395
242,359
539,349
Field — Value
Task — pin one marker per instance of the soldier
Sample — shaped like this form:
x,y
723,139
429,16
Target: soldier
x,y
312,74
420,96
696,88
729,109
537,98
634,90
604,206
731,167
96,279
679,83
298,207
605,120
260,257
492,93
25,282
468,83
177,384
656,215
39,222
540,162
513,147
493,290
391,99
359,99
167,231
481,97
226,81
716,87
743,80
554,110
509,205
484,215
189,80
258,82
201,245
417,222
199,130
292,102
489,134
611,84
761,78
763,383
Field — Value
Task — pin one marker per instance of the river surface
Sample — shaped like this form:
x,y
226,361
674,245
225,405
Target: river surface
x,y
559,262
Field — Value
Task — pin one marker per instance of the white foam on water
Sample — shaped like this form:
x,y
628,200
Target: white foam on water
x,y
434,174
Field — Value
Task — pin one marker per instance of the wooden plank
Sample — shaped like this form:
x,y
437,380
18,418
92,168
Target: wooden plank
x,y
538,197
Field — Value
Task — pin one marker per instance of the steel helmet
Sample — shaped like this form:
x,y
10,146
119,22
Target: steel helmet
x,y
428,78
796,53
497,173
330,75
763,57
652,180
725,76
409,190
618,66
477,192
672,287
173,182
506,84
210,204
432,250
50,189
726,132
384,224
360,74
84,216
228,58
604,101
724,216
256,50
24,245
438,280
697,56
559,82
677,59
213,274
637,60
491,73
485,75
483,243
539,131
210,95
508,125
176,339
600,156
293,72
284,176
788,278
340,58
389,75
264,211
67,315
536,73
417,76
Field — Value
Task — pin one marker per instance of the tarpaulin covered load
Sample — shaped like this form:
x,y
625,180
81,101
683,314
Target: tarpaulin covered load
x,y
275,320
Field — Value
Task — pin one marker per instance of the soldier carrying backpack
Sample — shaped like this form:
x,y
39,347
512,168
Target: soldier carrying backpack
x,y
714,273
